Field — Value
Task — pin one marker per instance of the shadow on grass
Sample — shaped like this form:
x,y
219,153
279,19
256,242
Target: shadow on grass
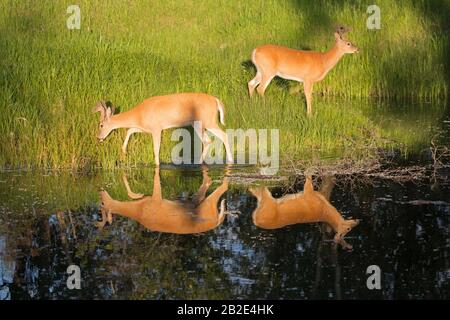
x,y
318,21
438,12
394,73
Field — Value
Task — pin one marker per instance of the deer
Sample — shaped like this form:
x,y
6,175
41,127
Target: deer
x,y
308,67
308,206
158,214
163,112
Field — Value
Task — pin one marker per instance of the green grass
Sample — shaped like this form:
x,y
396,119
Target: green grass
x,y
127,51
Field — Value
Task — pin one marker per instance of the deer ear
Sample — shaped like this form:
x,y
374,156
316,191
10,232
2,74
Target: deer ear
x,y
100,107
109,112
337,36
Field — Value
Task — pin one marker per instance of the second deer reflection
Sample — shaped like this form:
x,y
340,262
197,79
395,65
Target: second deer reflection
x,y
158,214
303,207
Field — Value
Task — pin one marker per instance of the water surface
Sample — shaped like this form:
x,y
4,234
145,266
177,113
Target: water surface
x,y
49,222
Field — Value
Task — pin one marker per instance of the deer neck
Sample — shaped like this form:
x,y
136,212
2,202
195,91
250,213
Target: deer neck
x,y
123,120
130,209
332,57
332,217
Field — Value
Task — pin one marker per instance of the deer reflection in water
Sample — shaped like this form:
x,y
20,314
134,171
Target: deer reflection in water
x,y
303,207
159,214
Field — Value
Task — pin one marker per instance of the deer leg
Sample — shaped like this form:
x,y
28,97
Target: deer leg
x,y
156,144
201,193
127,138
263,85
219,133
131,194
327,186
252,84
216,194
157,194
105,218
205,151
205,142
308,87
213,198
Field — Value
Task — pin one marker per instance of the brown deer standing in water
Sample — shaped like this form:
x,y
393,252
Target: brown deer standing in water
x,y
299,65
159,214
303,207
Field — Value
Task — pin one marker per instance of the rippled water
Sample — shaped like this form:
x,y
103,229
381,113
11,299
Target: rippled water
x,y
51,221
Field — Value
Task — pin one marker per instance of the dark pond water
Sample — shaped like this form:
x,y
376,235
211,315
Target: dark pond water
x,y
190,233
51,221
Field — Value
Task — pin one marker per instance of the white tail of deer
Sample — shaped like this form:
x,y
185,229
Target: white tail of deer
x,y
159,214
171,111
304,207
302,66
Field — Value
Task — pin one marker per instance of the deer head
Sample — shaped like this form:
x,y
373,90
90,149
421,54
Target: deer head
x,y
105,115
345,227
343,44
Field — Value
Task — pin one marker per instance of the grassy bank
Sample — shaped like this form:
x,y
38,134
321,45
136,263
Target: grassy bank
x,y
127,51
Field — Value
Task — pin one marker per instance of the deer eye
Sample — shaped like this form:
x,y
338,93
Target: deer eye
x,y
348,43
101,126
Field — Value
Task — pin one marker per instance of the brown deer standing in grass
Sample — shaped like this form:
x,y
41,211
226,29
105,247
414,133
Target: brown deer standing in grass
x,y
163,112
303,207
159,214
299,65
